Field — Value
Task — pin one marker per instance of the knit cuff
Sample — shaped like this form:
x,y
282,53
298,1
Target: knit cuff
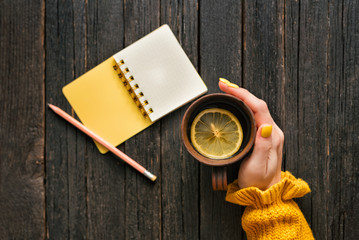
x,y
289,187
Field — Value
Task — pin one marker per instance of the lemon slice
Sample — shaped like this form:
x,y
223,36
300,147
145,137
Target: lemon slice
x,y
216,133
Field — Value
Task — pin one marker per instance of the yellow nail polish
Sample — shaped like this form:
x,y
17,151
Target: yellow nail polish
x,y
232,85
228,83
266,131
224,81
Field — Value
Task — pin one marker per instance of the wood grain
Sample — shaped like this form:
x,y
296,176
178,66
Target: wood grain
x,y
22,129
263,53
336,128
65,181
312,110
290,125
343,119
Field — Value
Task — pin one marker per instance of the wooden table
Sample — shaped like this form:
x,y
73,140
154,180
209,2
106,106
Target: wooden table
x,y
301,57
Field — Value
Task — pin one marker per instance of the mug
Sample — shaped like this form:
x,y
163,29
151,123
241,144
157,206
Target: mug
x,y
246,119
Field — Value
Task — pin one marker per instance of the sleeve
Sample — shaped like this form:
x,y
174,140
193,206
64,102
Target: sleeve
x,y
272,214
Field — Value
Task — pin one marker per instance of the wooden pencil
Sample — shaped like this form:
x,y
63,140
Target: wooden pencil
x,y
103,142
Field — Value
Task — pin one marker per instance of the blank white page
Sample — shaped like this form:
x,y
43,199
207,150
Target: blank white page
x,y
162,72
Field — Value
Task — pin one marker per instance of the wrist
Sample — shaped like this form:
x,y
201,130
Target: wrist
x,y
262,184
289,187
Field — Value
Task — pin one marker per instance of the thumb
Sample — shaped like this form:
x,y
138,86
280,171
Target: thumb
x,y
262,144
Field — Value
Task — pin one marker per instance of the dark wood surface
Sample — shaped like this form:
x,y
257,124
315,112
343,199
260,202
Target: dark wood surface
x,y
302,57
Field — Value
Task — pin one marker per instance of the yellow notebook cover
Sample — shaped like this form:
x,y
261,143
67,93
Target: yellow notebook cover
x,y
135,87
104,105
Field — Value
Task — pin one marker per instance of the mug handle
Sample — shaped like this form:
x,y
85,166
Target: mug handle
x,y
219,178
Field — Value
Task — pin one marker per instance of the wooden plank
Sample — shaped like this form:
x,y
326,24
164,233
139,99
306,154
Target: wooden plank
x,y
65,159
77,161
105,173
347,127
336,120
312,111
220,56
22,120
290,125
180,207
263,53
143,197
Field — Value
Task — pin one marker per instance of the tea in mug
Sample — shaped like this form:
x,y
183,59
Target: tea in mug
x,y
216,133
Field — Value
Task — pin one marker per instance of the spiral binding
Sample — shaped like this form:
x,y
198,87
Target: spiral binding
x,y
133,88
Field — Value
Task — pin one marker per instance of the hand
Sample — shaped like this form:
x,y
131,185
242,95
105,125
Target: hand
x,y
262,168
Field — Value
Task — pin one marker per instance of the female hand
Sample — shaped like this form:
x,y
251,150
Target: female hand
x,y
262,168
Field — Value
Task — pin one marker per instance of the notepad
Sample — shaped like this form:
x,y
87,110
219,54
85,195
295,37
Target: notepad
x,y
135,87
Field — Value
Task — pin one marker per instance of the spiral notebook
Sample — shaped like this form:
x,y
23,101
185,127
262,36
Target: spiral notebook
x,y
135,87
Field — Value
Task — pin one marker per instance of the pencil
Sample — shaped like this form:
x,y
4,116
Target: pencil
x,y
103,142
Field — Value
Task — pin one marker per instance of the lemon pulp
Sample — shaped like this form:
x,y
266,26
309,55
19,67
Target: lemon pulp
x,y
216,133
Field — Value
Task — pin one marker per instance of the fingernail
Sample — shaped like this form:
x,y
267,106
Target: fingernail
x,y
232,85
266,131
224,80
228,83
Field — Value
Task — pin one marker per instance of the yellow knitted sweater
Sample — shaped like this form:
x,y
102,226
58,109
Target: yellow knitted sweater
x,y
272,214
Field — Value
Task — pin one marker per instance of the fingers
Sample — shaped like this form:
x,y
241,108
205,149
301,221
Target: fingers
x,y
279,146
262,146
258,106
273,160
254,169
